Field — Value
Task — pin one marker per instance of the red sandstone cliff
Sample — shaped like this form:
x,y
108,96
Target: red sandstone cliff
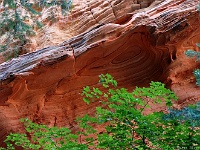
x,y
135,46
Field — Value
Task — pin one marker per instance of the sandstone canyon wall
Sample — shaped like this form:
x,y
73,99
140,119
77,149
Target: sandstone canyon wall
x,y
121,37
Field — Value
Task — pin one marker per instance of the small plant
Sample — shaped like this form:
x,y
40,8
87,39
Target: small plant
x,y
185,124
121,116
196,72
43,137
190,114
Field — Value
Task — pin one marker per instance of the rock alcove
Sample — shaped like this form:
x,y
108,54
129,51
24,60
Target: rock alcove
x,y
135,46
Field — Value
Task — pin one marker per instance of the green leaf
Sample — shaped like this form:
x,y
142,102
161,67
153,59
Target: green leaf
x,y
86,100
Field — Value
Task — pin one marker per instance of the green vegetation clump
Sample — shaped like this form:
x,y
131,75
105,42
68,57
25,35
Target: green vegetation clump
x,y
190,114
196,72
125,126
19,19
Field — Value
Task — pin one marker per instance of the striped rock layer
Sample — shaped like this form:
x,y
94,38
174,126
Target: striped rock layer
x,y
135,41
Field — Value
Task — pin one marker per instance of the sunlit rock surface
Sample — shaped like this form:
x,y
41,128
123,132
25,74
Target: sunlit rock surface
x,y
118,37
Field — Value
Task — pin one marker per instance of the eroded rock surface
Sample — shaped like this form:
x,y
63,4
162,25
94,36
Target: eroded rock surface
x,y
83,16
137,47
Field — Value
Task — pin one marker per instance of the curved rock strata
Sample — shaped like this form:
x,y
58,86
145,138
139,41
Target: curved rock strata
x,y
136,48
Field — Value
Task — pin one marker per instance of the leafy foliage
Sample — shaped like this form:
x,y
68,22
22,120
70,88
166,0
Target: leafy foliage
x,y
196,72
19,18
192,53
190,114
128,128
43,137
121,115
185,123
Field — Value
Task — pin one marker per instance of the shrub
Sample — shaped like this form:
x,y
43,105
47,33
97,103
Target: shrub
x,y
196,72
43,137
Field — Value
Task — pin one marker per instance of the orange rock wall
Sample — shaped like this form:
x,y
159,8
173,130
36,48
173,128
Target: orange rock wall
x,y
138,47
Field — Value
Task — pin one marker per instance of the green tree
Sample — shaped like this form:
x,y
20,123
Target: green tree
x,y
43,137
19,19
121,114
126,125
